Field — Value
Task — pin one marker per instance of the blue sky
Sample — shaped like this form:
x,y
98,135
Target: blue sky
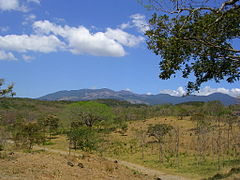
x,y
52,45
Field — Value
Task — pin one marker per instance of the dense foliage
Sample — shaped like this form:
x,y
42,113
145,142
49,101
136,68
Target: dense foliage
x,y
197,38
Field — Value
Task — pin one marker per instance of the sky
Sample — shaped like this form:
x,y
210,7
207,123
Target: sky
x,y
52,45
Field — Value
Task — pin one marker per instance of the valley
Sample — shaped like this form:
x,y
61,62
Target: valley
x,y
193,140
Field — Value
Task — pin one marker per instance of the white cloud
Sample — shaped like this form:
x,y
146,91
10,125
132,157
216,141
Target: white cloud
x,y
34,1
127,89
149,93
7,56
4,29
140,22
123,37
8,5
179,92
29,19
24,43
49,37
46,27
93,87
27,58
207,90
60,20
81,41
137,21
125,25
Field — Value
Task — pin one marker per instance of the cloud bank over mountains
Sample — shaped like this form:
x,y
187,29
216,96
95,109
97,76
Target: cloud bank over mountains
x,y
207,90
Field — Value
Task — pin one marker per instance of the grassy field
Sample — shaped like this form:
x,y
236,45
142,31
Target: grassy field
x,y
127,146
187,150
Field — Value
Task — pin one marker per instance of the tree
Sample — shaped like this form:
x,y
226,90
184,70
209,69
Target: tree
x,y
6,91
214,108
32,134
159,131
202,128
83,138
50,124
90,113
26,134
141,136
53,123
196,38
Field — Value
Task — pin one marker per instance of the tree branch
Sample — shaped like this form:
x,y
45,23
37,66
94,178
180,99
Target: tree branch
x,y
227,3
212,44
191,10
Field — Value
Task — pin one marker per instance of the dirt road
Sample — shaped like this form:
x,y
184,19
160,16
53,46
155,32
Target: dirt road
x,y
136,167
150,172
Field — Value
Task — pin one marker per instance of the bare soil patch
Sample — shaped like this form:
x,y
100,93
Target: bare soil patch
x,y
46,165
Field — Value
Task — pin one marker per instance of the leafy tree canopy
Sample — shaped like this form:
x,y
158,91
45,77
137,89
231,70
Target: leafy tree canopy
x,y
196,37
91,112
159,131
84,138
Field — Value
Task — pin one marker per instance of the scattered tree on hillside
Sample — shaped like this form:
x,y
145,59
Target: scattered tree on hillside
x,y
159,131
83,138
4,92
214,108
196,37
91,113
26,134
53,123
50,124
202,129
141,135
32,134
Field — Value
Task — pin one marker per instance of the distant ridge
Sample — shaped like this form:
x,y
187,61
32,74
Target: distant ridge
x,y
104,93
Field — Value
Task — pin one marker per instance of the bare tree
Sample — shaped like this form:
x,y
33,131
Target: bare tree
x,y
141,136
159,131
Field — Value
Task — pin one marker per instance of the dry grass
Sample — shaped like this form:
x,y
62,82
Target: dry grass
x,y
43,165
129,149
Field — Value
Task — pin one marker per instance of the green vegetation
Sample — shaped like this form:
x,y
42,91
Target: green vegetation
x,y
222,176
83,138
159,131
195,139
6,91
195,38
90,113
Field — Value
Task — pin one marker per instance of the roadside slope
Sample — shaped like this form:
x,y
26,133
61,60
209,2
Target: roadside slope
x,y
136,167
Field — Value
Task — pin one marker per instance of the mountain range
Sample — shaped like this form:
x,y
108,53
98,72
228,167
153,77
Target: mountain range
x,y
104,93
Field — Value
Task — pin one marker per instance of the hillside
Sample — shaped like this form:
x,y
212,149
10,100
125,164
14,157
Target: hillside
x,y
123,135
91,94
45,165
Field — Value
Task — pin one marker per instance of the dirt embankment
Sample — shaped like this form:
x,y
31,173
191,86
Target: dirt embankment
x,y
135,167
55,166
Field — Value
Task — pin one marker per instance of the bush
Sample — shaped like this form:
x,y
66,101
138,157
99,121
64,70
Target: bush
x,y
83,138
1,147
